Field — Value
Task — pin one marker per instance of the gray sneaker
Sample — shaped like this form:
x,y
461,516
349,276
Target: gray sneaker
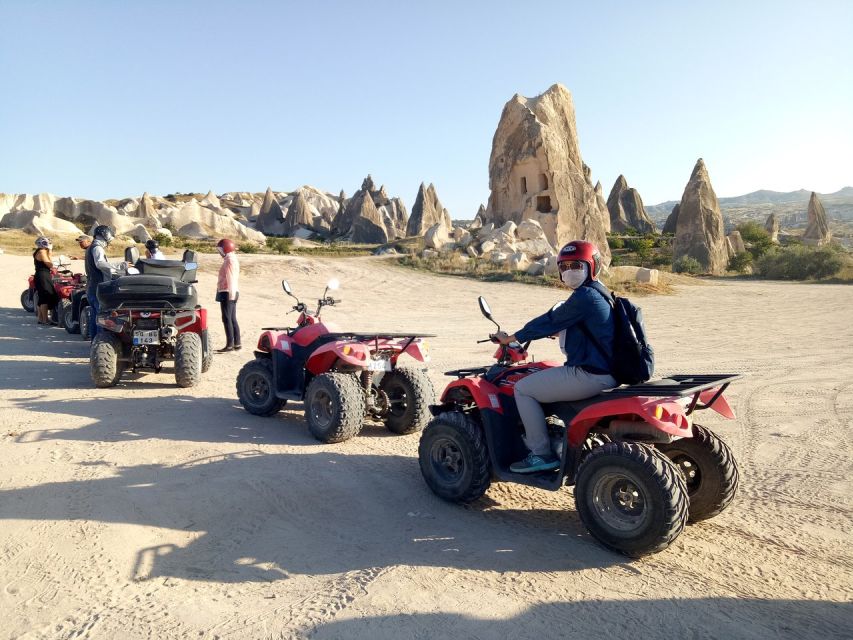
x,y
533,463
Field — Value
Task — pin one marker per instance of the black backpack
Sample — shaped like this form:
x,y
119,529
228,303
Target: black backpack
x,y
633,358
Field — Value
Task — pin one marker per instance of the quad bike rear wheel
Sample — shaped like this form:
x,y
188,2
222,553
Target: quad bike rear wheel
x,y
104,360
631,498
334,407
709,470
188,359
256,388
27,300
66,316
409,392
454,459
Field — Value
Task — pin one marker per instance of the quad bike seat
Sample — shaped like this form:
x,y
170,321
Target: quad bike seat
x,y
184,269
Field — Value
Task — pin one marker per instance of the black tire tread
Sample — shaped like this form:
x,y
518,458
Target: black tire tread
x,y
350,401
265,365
422,397
104,364
470,431
670,481
207,352
85,326
66,316
27,301
188,358
723,460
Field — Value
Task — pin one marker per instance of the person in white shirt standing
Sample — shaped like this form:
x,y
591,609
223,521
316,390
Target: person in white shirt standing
x,y
152,250
227,293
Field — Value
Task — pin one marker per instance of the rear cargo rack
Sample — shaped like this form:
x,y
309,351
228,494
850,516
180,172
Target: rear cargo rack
x,y
680,386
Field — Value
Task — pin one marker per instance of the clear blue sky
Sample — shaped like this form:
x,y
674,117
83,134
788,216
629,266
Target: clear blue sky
x,y
110,99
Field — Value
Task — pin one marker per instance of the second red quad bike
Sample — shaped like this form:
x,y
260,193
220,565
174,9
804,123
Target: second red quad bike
x,y
640,466
341,377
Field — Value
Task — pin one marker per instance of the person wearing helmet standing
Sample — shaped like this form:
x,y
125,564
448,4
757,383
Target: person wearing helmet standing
x,y
152,250
99,269
227,293
586,371
43,280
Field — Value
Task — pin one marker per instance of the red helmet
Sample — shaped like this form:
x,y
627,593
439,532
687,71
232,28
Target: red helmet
x,y
582,251
226,245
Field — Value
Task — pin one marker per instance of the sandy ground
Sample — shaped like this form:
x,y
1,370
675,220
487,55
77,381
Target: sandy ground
x,y
150,511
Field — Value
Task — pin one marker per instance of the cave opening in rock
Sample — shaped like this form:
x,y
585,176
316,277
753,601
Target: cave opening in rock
x,y
543,204
543,182
523,184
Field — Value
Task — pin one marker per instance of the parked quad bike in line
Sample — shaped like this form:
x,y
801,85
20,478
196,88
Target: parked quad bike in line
x,y
65,283
148,317
641,468
342,377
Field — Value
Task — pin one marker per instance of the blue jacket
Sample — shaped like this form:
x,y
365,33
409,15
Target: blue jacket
x,y
584,305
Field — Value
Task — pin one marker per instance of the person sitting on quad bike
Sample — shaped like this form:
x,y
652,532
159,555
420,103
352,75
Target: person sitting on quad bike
x,y
586,372
152,250
99,269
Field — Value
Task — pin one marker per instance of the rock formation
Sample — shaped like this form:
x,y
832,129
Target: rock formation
x,y
772,227
384,217
699,230
626,209
671,221
427,212
270,218
736,241
817,232
367,225
536,171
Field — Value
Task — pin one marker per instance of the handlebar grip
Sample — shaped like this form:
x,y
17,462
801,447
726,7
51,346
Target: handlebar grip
x,y
486,340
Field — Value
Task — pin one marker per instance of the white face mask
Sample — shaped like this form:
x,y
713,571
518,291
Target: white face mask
x,y
221,251
575,278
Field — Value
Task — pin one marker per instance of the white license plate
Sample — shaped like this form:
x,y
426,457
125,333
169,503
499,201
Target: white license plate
x,y
379,365
146,337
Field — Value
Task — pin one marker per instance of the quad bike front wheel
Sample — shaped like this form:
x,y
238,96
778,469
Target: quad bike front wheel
x,y
709,470
207,357
105,365
66,316
188,358
85,322
334,407
27,300
631,498
454,459
409,392
256,388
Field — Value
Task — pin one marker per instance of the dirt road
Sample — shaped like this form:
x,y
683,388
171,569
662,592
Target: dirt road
x,y
150,511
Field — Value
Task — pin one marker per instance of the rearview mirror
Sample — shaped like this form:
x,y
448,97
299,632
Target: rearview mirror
x,y
333,284
286,286
485,308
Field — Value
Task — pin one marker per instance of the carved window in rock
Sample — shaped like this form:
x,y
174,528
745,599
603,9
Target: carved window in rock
x,y
523,184
543,182
543,204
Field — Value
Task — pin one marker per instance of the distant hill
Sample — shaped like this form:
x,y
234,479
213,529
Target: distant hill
x,y
790,206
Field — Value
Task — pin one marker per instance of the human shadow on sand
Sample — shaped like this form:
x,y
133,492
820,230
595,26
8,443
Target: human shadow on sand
x,y
21,336
735,618
265,517
175,417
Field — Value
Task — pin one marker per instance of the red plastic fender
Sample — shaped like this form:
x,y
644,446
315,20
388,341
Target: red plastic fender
x,y
672,418
419,350
721,405
269,340
485,394
352,353
199,324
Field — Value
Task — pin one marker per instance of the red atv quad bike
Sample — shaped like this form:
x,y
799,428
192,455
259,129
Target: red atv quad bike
x,y
150,316
342,377
64,282
641,468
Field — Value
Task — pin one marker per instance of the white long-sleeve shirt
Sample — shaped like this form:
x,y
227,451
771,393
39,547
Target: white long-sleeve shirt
x,y
229,276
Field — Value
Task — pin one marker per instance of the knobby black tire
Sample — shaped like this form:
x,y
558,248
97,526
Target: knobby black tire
x,y
188,358
714,484
66,316
667,499
267,404
85,322
455,429
27,301
104,363
419,394
347,401
207,358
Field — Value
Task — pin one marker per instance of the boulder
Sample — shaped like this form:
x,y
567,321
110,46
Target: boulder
x,y
426,212
479,219
163,231
536,171
471,250
772,227
648,276
737,242
499,257
626,209
139,234
551,266
429,253
518,261
436,236
529,230
536,268
461,236
817,231
509,228
537,248
699,231
487,247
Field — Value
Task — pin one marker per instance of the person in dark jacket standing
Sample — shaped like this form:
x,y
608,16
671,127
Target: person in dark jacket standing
x,y
586,371
43,280
99,269
227,293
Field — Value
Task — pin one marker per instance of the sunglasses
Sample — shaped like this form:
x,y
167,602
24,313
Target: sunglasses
x,y
574,265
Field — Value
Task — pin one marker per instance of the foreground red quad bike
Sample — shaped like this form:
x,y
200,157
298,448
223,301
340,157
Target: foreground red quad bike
x,y
641,468
149,317
342,377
